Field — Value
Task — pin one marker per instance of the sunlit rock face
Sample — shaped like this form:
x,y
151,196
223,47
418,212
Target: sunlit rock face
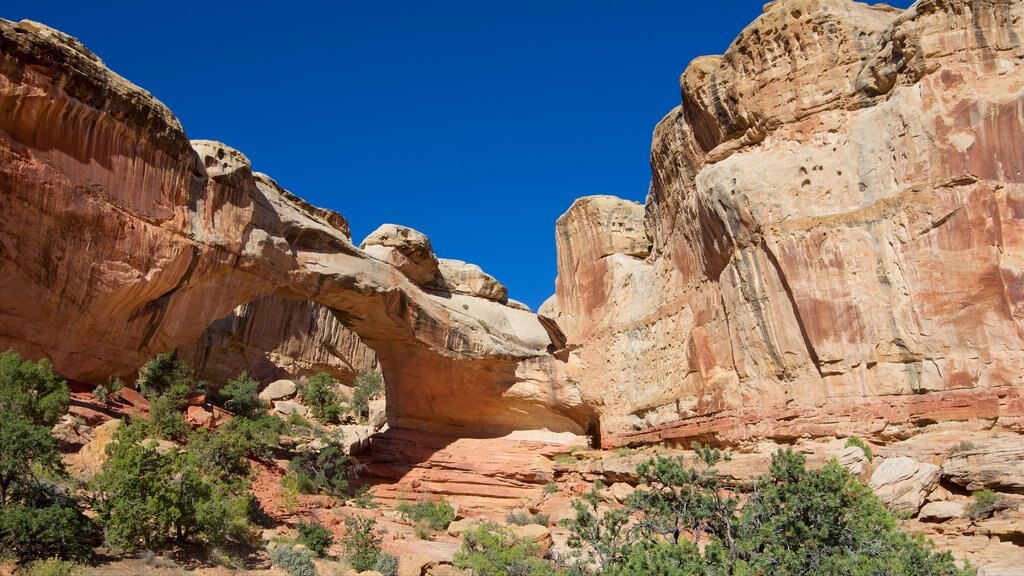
x,y
122,239
836,223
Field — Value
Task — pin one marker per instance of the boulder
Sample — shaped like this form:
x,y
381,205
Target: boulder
x,y
279,390
902,483
200,416
853,459
406,249
941,511
465,278
996,463
287,407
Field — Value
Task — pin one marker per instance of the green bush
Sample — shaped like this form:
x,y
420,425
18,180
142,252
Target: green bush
x,y
54,567
985,504
256,436
795,521
488,550
105,390
327,471
315,537
30,390
550,488
319,393
522,518
438,514
165,420
38,519
367,385
146,499
855,441
241,397
165,374
362,542
386,564
364,498
294,561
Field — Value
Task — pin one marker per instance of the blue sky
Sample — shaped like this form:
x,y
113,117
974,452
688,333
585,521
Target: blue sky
x,y
477,123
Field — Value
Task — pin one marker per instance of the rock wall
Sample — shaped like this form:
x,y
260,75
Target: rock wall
x,y
273,338
122,239
836,221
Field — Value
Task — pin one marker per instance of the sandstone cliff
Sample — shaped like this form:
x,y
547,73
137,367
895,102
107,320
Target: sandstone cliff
x,y
121,239
836,235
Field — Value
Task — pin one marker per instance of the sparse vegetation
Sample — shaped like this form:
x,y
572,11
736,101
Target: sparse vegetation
x,y
241,397
963,446
54,567
368,385
362,542
986,503
523,518
550,488
387,564
855,441
105,390
326,470
364,498
438,514
489,550
315,537
294,561
795,521
319,392
565,459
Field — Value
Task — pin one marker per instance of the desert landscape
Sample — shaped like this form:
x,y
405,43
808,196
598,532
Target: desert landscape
x,y
829,264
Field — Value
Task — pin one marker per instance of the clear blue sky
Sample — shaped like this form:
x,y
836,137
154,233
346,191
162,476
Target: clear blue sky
x,y
476,123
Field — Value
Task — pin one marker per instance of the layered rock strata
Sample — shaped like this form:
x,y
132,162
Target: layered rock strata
x,y
836,228
122,239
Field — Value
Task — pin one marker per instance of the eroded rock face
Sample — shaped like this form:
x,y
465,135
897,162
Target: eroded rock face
x,y
179,234
274,337
836,234
465,278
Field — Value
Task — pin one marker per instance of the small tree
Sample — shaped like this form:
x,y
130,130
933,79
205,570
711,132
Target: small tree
x,y
241,397
315,537
362,542
31,390
328,469
488,550
164,375
368,385
319,393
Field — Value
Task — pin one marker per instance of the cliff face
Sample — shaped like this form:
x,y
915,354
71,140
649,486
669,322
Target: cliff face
x,y
121,239
836,221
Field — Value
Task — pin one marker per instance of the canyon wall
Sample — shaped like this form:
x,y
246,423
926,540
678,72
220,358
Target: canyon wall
x,y
122,239
835,229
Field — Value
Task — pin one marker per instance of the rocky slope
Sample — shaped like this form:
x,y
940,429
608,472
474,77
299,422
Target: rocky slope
x,y
121,239
832,241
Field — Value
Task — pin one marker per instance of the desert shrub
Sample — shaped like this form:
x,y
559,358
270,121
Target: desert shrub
x,y
105,390
327,470
221,454
38,519
54,567
165,374
489,550
523,518
986,503
438,514
367,385
58,530
165,420
386,564
855,441
241,397
364,498
315,537
565,459
30,390
256,436
319,393
362,542
294,561
963,446
145,498
795,521
550,488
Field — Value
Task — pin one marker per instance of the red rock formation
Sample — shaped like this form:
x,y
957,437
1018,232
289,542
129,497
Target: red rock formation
x,y
837,238
122,239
